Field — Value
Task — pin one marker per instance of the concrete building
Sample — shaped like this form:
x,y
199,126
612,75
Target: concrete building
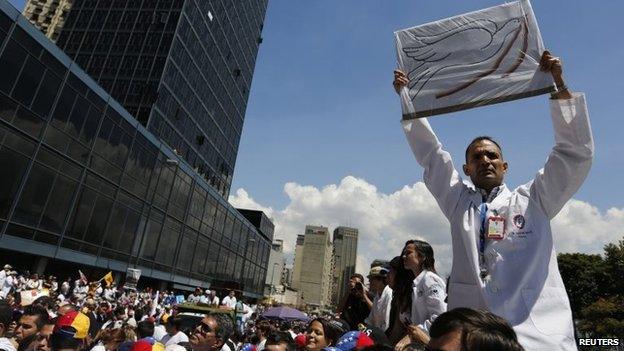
x,y
296,275
48,15
316,267
275,268
345,256
128,164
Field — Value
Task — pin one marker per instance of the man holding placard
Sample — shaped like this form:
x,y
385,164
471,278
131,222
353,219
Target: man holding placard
x,y
503,255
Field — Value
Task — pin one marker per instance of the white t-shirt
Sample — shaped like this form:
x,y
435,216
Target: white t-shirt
x,y
159,332
380,312
229,301
175,339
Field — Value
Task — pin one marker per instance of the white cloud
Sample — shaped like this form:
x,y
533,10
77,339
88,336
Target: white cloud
x,y
386,221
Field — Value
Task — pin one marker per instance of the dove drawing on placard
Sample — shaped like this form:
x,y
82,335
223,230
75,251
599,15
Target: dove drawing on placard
x,y
494,41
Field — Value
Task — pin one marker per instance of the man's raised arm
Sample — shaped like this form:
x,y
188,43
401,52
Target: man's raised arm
x,y
570,159
440,175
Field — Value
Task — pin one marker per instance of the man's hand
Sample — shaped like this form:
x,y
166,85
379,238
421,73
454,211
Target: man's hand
x,y
400,80
552,64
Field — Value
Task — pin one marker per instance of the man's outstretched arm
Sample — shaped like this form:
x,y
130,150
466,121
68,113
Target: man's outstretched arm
x,y
440,175
570,159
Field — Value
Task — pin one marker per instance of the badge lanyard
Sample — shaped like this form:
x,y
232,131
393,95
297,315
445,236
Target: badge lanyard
x,y
483,213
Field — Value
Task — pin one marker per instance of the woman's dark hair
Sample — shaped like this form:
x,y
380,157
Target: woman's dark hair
x,y
426,252
332,329
401,291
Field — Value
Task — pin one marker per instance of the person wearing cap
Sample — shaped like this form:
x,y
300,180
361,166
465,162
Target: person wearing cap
x,y
214,299
205,298
70,332
380,306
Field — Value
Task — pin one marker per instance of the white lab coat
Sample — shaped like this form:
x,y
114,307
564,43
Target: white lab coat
x,y
428,297
525,286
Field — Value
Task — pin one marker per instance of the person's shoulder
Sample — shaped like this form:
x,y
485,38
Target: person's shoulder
x,y
432,279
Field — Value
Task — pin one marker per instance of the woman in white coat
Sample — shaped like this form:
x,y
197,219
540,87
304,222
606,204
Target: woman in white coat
x,y
429,288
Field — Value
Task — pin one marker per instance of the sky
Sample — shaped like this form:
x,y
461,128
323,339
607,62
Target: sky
x,y
322,142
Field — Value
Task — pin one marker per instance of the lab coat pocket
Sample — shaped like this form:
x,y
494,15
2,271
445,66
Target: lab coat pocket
x,y
464,295
549,310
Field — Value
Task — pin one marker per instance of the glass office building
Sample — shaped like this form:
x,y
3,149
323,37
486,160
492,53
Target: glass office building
x,y
82,181
183,68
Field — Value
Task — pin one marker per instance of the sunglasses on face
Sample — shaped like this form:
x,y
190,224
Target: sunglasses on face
x,y
204,328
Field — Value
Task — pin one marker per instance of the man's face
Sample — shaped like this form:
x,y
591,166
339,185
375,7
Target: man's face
x,y
204,337
26,327
43,338
485,165
447,342
376,283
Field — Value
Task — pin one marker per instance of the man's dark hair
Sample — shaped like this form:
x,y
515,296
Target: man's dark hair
x,y
40,312
481,330
264,327
145,329
6,315
481,138
278,337
225,325
60,341
175,322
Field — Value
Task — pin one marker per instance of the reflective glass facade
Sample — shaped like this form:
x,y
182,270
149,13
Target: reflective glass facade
x,y
83,181
183,68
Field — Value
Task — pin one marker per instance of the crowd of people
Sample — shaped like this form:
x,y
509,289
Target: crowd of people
x,y
505,291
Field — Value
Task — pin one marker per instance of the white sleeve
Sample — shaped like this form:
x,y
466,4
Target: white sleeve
x,y
440,175
570,159
435,293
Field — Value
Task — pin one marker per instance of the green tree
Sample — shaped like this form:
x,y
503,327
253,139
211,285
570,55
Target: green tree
x,y
584,277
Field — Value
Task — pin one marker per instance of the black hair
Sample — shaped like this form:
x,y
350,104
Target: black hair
x,y
225,325
6,315
401,291
481,330
145,329
175,322
46,302
426,252
278,337
264,327
284,326
60,341
332,329
481,138
40,312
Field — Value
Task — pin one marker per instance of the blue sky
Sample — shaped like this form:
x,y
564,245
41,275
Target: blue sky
x,y
323,119
322,106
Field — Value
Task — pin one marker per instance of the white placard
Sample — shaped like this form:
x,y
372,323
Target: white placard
x,y
474,59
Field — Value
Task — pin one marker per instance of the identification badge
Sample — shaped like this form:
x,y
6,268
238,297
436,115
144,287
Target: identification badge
x,y
496,227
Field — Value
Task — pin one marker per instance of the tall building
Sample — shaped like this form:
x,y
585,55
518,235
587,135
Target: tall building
x,y
316,266
183,68
84,183
345,256
48,15
275,267
296,275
